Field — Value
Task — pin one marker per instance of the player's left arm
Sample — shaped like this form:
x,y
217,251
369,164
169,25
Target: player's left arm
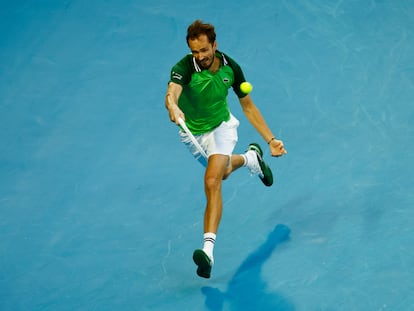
x,y
256,119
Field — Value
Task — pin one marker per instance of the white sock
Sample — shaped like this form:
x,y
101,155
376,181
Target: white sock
x,y
249,158
209,240
245,159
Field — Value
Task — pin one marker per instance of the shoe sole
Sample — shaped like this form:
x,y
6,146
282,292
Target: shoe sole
x,y
203,262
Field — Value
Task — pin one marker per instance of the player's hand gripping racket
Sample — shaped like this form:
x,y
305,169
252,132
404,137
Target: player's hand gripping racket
x,y
192,138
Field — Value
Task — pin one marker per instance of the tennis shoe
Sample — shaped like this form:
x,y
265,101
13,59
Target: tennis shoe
x,y
204,263
258,166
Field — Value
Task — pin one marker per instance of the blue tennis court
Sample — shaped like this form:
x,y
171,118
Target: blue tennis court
x,y
101,206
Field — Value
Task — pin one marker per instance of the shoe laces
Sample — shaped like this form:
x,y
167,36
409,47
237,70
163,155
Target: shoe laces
x,y
253,163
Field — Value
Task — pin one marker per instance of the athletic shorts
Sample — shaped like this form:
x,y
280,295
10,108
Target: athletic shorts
x,y
221,140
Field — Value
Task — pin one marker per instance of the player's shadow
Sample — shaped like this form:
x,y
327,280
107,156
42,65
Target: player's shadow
x,y
247,290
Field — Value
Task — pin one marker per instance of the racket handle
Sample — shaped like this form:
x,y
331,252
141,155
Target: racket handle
x,y
182,123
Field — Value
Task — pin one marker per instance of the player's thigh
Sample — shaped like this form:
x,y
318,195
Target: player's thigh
x,y
216,168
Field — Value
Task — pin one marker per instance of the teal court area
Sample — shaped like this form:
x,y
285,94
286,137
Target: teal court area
x,y
101,206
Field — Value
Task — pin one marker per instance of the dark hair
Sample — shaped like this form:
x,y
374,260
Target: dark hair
x,y
198,28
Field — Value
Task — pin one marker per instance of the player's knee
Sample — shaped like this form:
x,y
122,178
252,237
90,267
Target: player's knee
x,y
212,182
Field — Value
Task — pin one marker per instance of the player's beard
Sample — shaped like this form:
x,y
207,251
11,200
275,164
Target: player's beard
x,y
206,62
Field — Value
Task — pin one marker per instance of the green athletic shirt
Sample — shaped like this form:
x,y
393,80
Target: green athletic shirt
x,y
204,96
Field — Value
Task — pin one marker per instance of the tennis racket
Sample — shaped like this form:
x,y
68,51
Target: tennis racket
x,y
192,138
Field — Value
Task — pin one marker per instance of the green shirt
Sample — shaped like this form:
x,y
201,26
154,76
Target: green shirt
x,y
204,96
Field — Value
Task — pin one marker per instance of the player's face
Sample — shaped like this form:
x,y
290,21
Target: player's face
x,y
203,51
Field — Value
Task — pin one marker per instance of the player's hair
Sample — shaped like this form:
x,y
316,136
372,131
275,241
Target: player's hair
x,y
198,28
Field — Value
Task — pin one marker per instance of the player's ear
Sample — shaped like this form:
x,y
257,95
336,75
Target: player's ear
x,y
215,46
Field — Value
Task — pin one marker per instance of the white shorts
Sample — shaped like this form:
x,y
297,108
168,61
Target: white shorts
x,y
221,140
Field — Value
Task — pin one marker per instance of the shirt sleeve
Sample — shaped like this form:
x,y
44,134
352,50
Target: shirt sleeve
x,y
181,72
238,77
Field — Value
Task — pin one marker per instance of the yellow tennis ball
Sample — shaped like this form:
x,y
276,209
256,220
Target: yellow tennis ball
x,y
246,87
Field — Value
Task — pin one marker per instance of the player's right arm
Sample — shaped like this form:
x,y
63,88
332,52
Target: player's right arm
x,y
171,102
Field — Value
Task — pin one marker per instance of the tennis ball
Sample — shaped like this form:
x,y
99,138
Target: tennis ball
x,y
246,87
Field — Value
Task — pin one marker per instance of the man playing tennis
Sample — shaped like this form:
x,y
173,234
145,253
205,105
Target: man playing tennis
x,y
197,93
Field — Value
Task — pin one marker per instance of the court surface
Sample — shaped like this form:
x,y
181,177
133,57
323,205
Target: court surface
x,y
101,206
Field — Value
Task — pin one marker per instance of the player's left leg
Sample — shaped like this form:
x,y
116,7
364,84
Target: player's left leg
x,y
236,161
253,160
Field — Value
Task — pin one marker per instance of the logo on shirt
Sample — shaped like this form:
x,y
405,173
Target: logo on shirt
x,y
176,75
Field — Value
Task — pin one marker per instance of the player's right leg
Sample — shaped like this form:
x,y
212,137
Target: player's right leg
x,y
213,177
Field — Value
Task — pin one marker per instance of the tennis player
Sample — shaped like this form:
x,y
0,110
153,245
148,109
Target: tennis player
x,y
197,92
